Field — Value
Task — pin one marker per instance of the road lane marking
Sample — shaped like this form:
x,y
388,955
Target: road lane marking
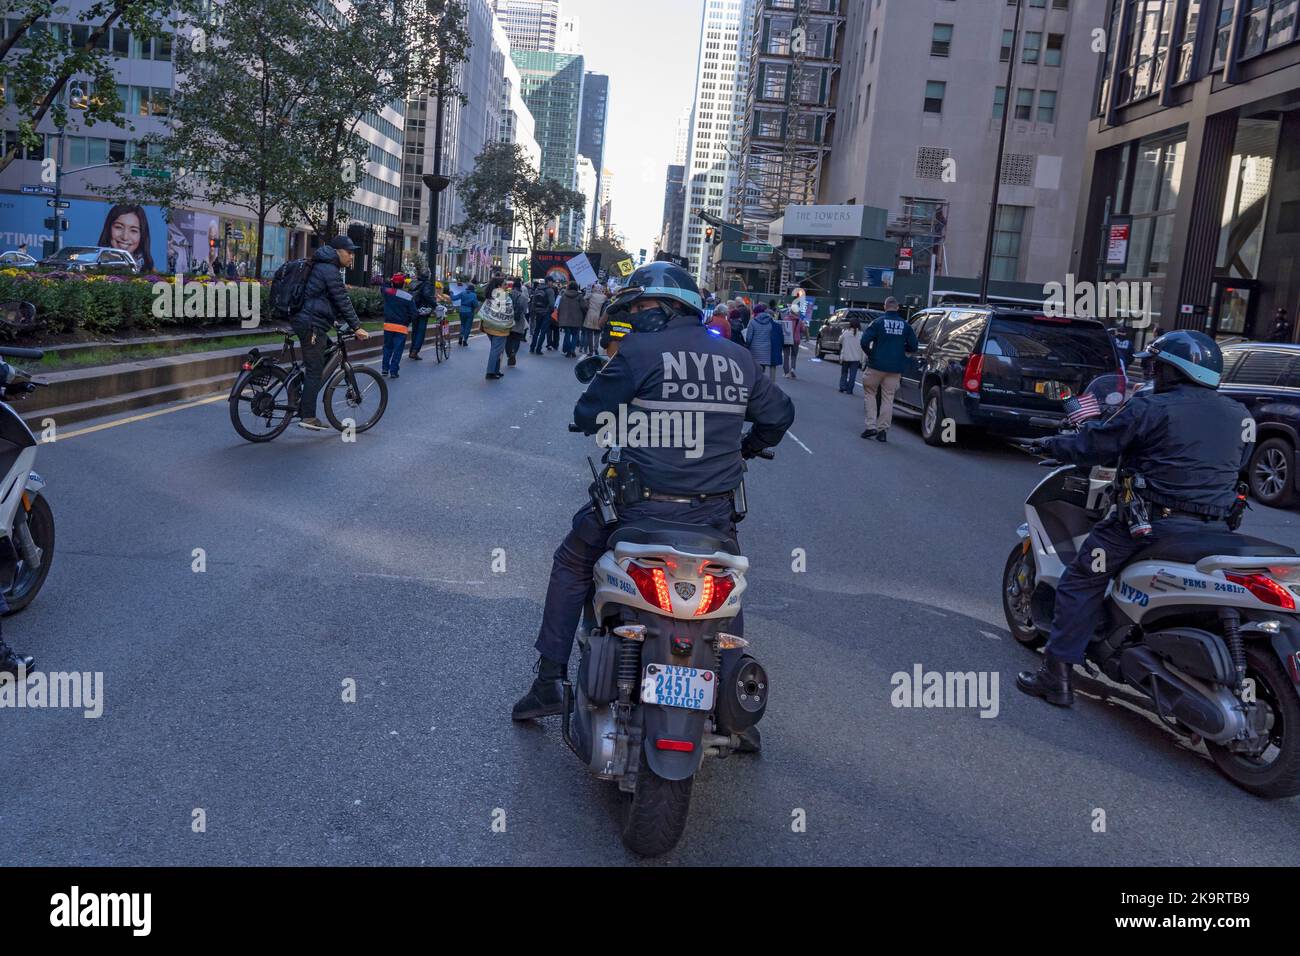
x,y
799,443
138,418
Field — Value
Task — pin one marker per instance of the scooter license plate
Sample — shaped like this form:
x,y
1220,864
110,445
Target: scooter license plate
x,y
669,685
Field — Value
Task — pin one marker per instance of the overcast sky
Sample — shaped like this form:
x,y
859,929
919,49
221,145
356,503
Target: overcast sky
x,y
648,49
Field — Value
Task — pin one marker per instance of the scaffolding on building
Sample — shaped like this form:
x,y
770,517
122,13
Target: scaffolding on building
x,y
922,227
789,111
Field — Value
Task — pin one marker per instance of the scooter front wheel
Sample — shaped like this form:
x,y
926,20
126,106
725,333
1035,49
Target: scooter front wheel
x,y
654,817
27,580
1018,582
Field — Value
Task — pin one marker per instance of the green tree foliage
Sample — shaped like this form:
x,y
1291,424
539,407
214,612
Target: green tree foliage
x,y
504,189
42,63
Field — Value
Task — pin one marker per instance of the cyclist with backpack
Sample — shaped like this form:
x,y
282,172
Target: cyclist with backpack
x,y
312,296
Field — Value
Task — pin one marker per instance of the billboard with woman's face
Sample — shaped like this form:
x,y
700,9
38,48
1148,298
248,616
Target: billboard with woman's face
x,y
139,230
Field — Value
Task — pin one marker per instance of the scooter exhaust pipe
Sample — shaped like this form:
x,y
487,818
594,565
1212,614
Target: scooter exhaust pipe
x,y
1175,697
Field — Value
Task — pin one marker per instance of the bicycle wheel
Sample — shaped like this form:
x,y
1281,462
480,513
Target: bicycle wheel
x,y
444,346
360,401
263,402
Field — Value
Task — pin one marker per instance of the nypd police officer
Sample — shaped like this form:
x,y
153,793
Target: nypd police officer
x,y
667,363
1188,442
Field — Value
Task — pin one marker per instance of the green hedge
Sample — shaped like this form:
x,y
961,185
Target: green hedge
x,y
109,305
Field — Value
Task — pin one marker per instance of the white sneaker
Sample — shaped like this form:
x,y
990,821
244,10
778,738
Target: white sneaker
x,y
313,424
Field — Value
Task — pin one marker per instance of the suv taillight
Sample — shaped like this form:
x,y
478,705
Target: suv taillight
x,y
973,377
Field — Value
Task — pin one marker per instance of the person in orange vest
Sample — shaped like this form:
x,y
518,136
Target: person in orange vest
x,y
399,316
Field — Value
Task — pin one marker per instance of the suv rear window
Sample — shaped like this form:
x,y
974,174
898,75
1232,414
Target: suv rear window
x,y
1261,367
1021,353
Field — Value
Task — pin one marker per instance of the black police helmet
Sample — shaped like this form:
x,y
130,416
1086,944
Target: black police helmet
x,y
664,282
1194,355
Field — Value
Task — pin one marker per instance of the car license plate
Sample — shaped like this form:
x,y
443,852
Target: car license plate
x,y
669,685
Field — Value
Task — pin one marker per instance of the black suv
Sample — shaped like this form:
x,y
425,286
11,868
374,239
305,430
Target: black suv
x,y
1265,377
828,336
1002,370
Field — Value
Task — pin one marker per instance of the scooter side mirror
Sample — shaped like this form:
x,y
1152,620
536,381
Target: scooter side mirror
x,y
589,368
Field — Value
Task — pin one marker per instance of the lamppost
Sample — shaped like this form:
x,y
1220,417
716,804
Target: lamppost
x,y
436,182
997,173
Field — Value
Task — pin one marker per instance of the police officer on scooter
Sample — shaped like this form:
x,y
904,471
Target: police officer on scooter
x,y
667,363
1188,444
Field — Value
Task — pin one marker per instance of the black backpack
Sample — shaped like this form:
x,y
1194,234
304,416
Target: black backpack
x,y
289,288
541,302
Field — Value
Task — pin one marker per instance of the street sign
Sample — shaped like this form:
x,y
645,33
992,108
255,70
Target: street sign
x,y
757,248
905,252
39,190
60,204
148,172
62,224
794,253
904,265
1117,236
625,267
518,250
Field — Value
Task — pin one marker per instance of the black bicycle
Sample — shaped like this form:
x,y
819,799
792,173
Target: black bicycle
x,y
264,398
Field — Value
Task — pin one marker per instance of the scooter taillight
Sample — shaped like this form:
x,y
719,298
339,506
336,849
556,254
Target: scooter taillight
x,y
1264,588
653,585
715,591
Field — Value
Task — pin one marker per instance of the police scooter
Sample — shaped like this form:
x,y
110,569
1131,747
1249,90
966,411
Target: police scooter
x,y
1203,625
662,682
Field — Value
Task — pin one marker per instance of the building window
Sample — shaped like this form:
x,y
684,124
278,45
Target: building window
x,y
1008,38
941,39
999,101
1224,32
1024,104
934,91
1047,106
1007,231
1187,51
1055,44
1033,42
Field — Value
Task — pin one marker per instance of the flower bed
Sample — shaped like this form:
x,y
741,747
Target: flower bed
x,y
70,302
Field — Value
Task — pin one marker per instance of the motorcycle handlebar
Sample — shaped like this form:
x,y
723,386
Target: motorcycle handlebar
x,y
15,352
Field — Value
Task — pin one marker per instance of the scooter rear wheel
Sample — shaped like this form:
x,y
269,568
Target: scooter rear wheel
x,y
1276,773
1017,594
654,817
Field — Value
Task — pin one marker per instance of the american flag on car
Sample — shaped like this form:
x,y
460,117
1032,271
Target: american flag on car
x,y
1081,408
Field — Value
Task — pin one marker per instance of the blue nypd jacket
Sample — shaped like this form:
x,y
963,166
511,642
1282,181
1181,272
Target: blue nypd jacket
x,y
703,386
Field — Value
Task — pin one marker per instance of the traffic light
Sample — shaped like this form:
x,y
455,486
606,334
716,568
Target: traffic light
x,y
550,235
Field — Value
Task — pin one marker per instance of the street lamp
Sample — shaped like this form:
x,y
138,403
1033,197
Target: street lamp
x,y
997,172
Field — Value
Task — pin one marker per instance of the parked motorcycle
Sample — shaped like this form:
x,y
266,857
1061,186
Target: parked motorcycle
x,y
661,681
1203,625
26,521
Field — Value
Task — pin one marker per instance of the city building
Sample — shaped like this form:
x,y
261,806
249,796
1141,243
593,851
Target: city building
x,y
582,225
1192,170
606,216
789,108
517,127
467,128
915,131
683,140
531,25
568,39
591,132
552,86
713,148
670,235
93,157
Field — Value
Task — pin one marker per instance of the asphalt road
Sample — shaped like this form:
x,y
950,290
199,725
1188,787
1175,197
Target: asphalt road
x,y
372,561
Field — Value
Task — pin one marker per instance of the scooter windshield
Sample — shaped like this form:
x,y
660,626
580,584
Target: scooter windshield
x,y
1110,391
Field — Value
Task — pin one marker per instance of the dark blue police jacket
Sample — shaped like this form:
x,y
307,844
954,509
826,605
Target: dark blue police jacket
x,y
678,400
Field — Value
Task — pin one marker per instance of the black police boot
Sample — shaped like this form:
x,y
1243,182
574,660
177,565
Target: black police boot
x,y
12,663
1050,682
546,697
